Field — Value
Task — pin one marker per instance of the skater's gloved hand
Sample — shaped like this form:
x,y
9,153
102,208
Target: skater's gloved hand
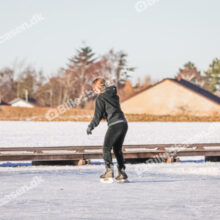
x,y
89,130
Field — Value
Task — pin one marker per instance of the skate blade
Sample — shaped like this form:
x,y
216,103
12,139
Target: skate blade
x,y
123,181
109,180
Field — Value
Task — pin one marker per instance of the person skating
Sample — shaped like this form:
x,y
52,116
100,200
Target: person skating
x,y
107,107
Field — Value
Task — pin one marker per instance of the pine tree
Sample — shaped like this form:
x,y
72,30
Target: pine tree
x,y
78,69
84,57
213,75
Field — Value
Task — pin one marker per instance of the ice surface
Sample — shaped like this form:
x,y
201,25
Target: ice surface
x,y
156,191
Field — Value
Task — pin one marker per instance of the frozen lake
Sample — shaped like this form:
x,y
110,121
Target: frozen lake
x,y
169,191
156,191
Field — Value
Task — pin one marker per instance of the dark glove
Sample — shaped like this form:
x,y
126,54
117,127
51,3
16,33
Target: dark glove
x,y
89,130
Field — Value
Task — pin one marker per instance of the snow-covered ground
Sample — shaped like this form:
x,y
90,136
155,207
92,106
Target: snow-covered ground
x,y
156,191
20,134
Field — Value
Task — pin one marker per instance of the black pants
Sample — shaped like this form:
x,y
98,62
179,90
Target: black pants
x,y
114,138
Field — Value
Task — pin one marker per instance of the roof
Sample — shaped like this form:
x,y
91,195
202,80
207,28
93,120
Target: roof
x,y
17,100
186,84
198,90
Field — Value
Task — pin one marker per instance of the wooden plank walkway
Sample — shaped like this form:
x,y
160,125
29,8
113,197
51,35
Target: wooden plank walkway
x,y
95,152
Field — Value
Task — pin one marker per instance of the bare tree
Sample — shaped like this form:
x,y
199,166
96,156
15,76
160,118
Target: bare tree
x,y
190,73
7,84
117,69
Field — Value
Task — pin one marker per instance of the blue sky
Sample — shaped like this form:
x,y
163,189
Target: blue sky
x,y
158,40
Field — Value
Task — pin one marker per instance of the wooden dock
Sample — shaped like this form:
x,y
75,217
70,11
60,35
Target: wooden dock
x,y
145,151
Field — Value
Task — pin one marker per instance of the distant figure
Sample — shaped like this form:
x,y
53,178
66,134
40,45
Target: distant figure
x,y
107,107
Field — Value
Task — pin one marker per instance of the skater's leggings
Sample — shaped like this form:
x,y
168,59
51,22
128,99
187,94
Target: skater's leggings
x,y
114,138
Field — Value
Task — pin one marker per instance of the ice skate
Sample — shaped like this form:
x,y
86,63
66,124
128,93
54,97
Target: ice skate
x,y
108,176
122,177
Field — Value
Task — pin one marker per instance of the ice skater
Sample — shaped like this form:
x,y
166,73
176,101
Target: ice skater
x,y
107,107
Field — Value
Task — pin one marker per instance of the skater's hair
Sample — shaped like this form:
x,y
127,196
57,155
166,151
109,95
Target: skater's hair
x,y
100,83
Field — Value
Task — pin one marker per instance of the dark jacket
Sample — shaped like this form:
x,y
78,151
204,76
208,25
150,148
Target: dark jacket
x,y
107,107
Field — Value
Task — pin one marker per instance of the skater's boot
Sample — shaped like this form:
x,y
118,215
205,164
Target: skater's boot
x,y
108,176
122,176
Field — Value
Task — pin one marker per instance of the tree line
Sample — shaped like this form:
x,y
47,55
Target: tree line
x,y
71,81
